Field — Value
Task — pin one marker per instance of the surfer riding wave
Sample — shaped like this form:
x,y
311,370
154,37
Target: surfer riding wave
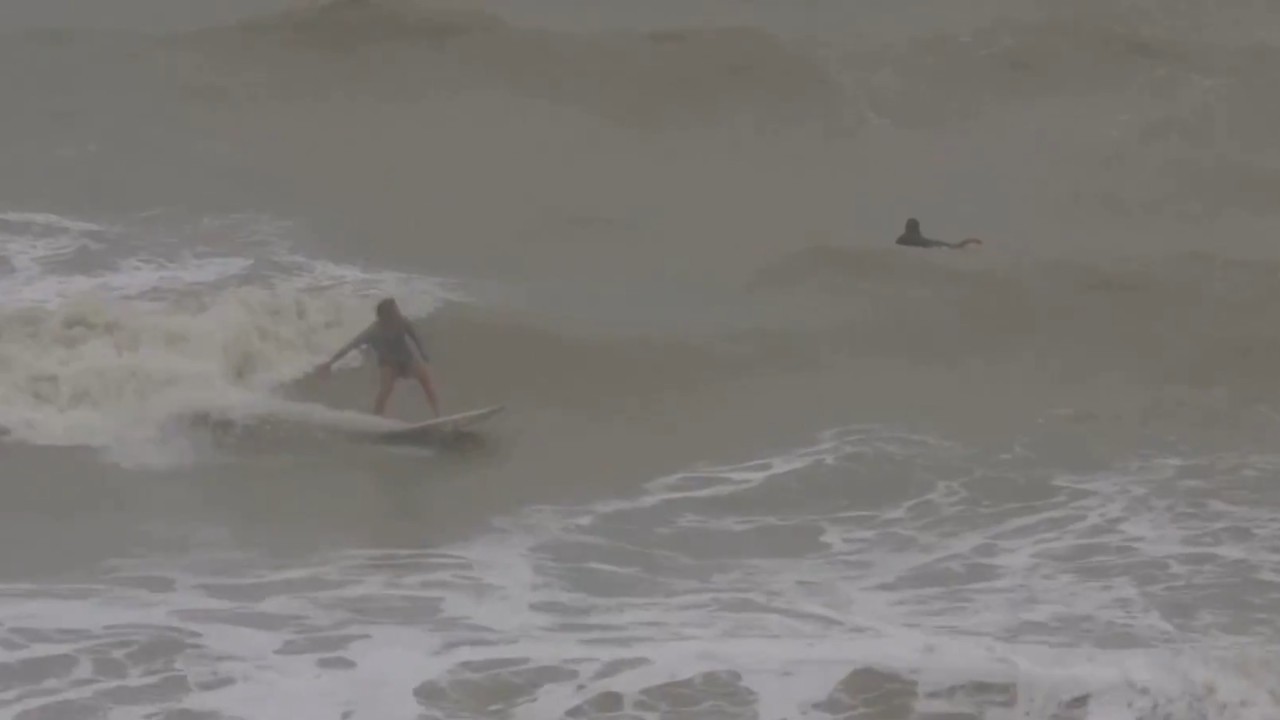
x,y
388,336
911,237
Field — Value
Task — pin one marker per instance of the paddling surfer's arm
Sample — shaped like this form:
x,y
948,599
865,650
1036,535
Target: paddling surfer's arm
x,y
924,242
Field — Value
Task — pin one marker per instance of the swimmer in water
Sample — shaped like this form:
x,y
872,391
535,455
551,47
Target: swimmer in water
x,y
388,336
911,237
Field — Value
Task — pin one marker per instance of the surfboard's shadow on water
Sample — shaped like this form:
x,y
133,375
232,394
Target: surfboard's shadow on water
x,y
454,442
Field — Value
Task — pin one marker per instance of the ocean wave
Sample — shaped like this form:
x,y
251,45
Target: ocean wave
x,y
408,52
109,334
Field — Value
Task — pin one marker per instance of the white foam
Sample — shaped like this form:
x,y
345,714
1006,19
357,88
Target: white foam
x,y
108,333
579,588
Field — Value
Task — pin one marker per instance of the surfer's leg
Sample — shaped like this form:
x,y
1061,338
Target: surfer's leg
x,y
387,375
424,379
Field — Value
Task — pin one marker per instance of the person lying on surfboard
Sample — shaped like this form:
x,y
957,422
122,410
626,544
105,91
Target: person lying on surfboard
x,y
911,237
388,336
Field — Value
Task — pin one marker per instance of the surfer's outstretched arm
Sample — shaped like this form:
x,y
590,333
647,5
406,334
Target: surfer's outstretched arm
x,y
356,342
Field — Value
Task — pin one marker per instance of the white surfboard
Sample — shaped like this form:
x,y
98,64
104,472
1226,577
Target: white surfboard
x,y
434,428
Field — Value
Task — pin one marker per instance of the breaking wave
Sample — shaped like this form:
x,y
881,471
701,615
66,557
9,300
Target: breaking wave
x,y
109,334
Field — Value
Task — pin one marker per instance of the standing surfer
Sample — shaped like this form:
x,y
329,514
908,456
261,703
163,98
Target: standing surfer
x,y
388,336
911,237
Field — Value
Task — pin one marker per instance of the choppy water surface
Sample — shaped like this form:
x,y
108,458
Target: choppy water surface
x,y
757,461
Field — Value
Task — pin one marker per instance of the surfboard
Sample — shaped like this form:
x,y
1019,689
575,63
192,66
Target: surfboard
x,y
429,429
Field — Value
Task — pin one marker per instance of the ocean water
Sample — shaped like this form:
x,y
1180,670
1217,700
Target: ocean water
x,y
757,462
